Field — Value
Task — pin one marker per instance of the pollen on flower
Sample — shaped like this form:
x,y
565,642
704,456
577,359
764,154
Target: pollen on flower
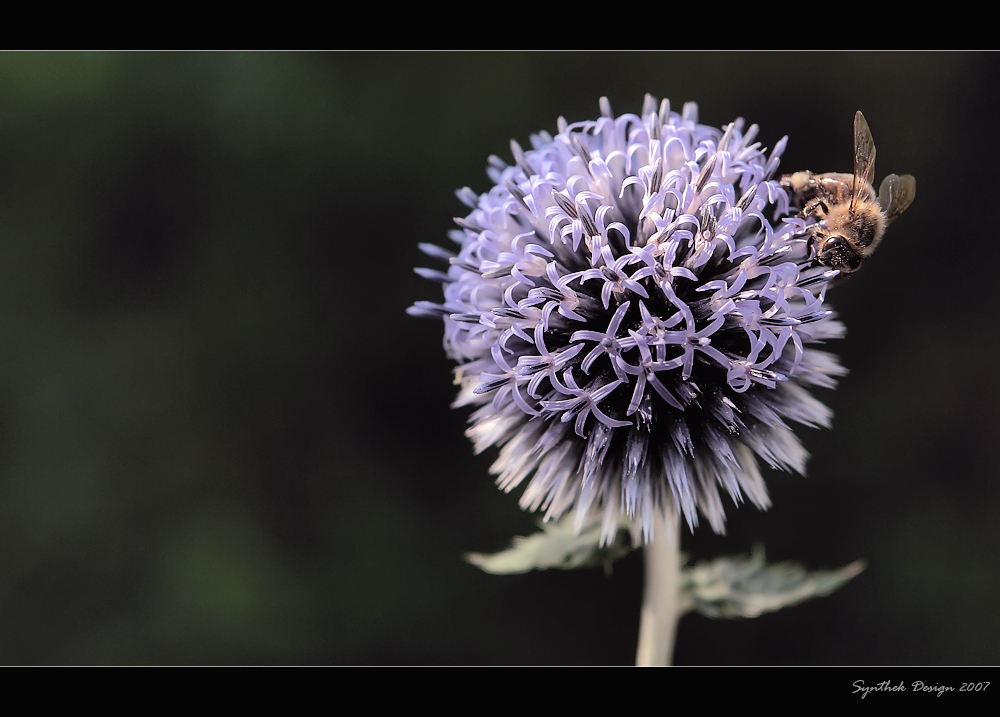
x,y
634,319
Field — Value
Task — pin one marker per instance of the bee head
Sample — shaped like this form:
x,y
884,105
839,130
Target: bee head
x,y
837,253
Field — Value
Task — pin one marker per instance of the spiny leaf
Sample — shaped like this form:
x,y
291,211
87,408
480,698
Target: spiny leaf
x,y
558,545
748,587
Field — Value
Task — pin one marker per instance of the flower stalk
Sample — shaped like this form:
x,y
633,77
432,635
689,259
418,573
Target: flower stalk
x,y
660,598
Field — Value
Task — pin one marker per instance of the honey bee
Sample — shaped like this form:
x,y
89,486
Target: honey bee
x,y
850,219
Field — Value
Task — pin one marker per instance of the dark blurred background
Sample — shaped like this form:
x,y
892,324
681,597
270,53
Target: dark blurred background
x,y
222,440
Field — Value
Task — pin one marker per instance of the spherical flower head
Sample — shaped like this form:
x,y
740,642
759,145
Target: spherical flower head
x,y
634,318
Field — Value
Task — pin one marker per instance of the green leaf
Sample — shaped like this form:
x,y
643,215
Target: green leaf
x,y
748,587
558,545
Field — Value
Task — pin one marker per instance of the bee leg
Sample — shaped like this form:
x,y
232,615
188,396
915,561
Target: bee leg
x,y
816,207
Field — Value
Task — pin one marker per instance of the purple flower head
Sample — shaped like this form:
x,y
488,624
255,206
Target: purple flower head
x,y
632,329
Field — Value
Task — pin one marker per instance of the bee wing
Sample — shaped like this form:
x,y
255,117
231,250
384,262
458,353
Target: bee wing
x,y
896,194
864,159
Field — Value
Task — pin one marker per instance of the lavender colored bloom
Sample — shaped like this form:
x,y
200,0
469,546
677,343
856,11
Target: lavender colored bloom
x,y
632,329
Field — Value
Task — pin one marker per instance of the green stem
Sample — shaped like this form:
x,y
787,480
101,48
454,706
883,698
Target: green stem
x,y
661,597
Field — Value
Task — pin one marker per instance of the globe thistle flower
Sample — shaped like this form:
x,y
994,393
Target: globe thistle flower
x,y
634,315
